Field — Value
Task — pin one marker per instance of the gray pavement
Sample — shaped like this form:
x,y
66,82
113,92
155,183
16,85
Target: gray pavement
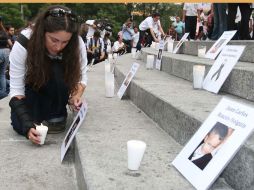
x,y
25,166
102,150
179,109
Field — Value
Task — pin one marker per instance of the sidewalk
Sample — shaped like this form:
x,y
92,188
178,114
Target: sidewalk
x,y
27,166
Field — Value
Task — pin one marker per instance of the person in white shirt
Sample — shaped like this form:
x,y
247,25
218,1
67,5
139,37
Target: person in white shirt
x,y
119,46
152,26
135,37
47,72
191,13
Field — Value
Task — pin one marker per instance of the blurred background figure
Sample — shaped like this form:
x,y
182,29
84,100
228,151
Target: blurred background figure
x,y
95,48
191,12
179,28
4,59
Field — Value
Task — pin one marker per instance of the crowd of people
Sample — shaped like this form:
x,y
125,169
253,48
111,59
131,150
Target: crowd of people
x,y
48,71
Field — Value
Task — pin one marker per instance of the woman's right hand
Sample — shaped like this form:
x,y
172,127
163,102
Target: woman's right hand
x,y
34,136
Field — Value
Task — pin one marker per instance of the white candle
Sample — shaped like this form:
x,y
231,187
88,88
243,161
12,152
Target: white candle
x,y
153,45
42,129
109,84
149,61
157,46
107,66
170,46
201,51
115,56
110,57
133,53
198,76
136,150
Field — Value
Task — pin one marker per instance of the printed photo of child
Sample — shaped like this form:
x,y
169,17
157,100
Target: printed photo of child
x,y
210,145
128,79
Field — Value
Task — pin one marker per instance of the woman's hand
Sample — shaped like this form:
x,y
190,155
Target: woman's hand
x,y
34,136
75,100
75,103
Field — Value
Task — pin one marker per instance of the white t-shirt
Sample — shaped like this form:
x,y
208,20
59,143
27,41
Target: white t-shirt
x,y
149,23
117,45
191,9
108,42
18,57
135,38
91,30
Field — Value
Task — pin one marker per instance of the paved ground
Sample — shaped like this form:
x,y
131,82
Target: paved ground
x,y
26,166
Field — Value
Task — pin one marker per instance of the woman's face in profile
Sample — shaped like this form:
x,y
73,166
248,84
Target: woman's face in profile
x,y
56,41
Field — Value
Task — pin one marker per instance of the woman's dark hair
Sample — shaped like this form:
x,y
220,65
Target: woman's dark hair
x,y
38,62
156,14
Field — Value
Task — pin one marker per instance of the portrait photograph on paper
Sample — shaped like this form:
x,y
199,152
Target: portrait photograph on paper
x,y
216,48
215,143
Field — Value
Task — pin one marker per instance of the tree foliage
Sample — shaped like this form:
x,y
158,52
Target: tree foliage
x,y
12,15
117,13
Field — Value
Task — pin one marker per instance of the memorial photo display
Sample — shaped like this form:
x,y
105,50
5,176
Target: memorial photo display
x,y
215,143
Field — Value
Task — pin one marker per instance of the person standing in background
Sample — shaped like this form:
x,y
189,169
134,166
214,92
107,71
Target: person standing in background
x,y
220,20
135,37
191,13
4,59
245,9
127,32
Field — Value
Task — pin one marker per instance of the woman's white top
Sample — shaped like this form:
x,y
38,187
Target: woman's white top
x,y
18,57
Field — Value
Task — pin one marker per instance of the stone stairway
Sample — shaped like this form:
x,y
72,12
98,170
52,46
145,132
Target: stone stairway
x,y
100,146
160,108
168,98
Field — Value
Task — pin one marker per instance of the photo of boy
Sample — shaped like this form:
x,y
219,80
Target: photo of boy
x,y
73,127
218,45
203,154
159,54
128,79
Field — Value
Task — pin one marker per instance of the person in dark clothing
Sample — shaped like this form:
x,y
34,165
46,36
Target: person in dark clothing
x,y
95,48
47,72
4,60
245,9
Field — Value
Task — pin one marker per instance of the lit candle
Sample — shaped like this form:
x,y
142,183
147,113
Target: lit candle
x,y
198,76
170,46
201,51
42,129
109,84
149,61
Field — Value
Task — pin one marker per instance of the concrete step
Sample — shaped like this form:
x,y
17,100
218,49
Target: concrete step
x,y
178,109
191,48
27,166
101,149
239,81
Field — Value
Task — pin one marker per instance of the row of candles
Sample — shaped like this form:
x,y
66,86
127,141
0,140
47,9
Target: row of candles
x,y
198,70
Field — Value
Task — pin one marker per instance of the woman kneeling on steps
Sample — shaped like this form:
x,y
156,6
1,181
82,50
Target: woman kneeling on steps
x,y
47,72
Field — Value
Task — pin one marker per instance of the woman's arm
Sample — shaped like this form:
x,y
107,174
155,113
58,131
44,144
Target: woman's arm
x,y
76,97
